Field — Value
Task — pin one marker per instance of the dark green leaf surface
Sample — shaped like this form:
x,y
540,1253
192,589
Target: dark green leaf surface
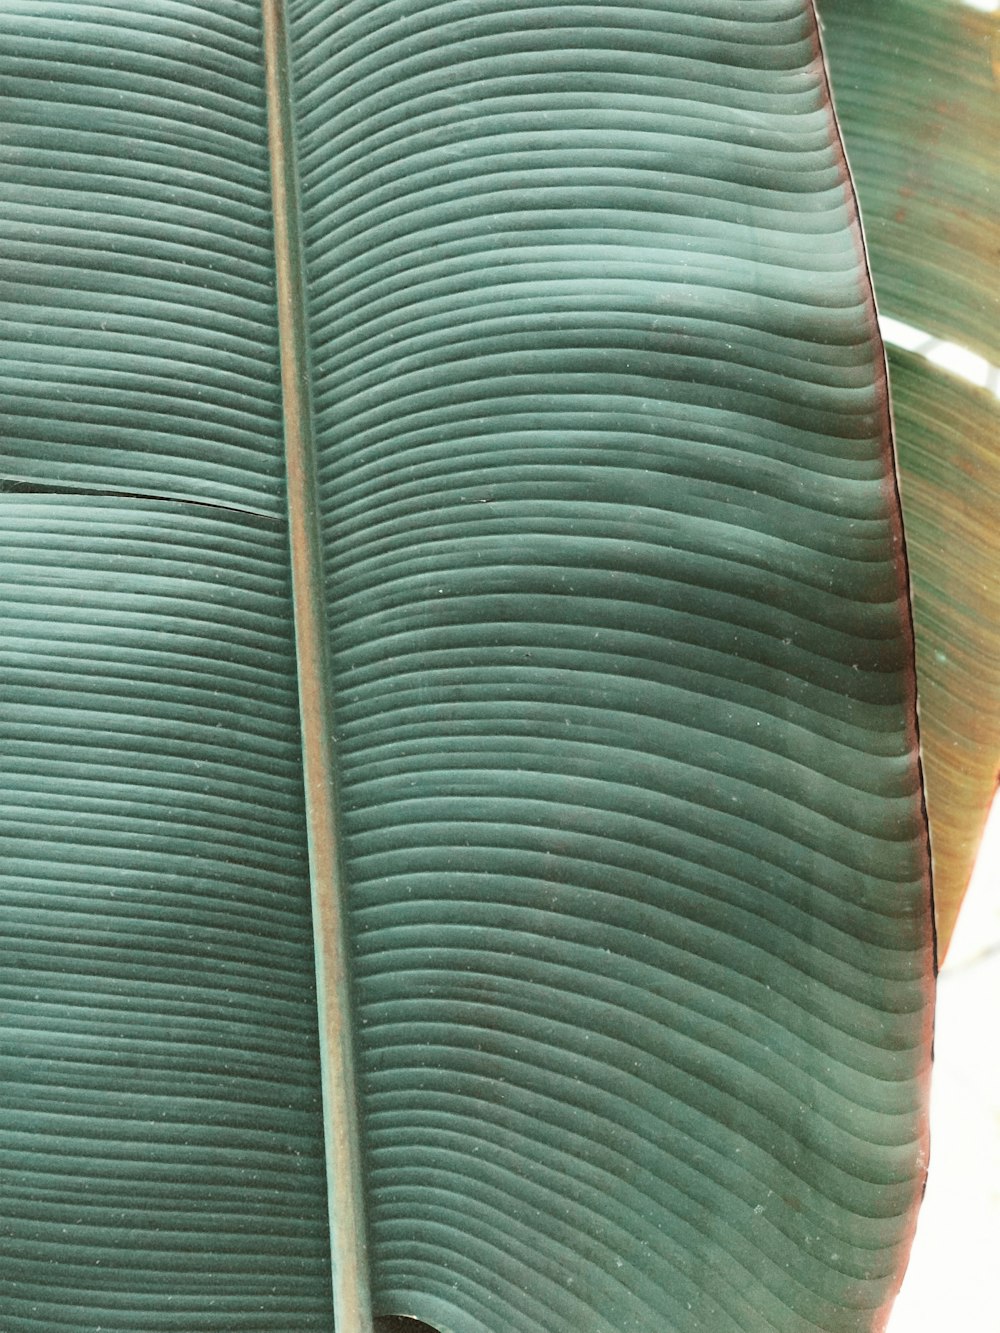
x,y
622,693
916,89
139,345
162,1122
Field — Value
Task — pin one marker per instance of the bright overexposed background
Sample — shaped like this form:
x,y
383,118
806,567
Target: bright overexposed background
x,y
953,1282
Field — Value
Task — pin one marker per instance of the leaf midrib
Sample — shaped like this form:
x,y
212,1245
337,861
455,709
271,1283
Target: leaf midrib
x,y
342,1138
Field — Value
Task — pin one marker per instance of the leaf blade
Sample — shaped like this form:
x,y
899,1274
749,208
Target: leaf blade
x,y
571,572
650,988
142,353
162,1111
916,91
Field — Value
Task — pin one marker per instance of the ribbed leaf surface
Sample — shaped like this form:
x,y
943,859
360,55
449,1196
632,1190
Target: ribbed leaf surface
x,y
162,1119
915,84
948,433
620,678
600,689
140,346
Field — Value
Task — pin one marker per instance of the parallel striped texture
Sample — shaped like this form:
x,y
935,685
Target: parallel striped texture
x,y
621,672
915,83
949,433
138,346
161,1091
916,87
161,1124
621,678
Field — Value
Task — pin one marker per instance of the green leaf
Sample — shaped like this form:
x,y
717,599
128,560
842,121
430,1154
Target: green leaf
x,y
627,921
948,435
161,1093
915,86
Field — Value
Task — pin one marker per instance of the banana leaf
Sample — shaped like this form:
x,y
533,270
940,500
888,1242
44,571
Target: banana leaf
x,y
915,87
466,852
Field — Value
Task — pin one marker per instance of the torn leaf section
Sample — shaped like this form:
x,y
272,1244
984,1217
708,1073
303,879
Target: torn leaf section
x,y
139,345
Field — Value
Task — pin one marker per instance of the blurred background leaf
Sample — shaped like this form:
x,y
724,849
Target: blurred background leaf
x,y
915,86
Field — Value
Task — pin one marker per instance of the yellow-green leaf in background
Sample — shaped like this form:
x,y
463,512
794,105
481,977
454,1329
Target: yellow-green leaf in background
x,y
916,88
